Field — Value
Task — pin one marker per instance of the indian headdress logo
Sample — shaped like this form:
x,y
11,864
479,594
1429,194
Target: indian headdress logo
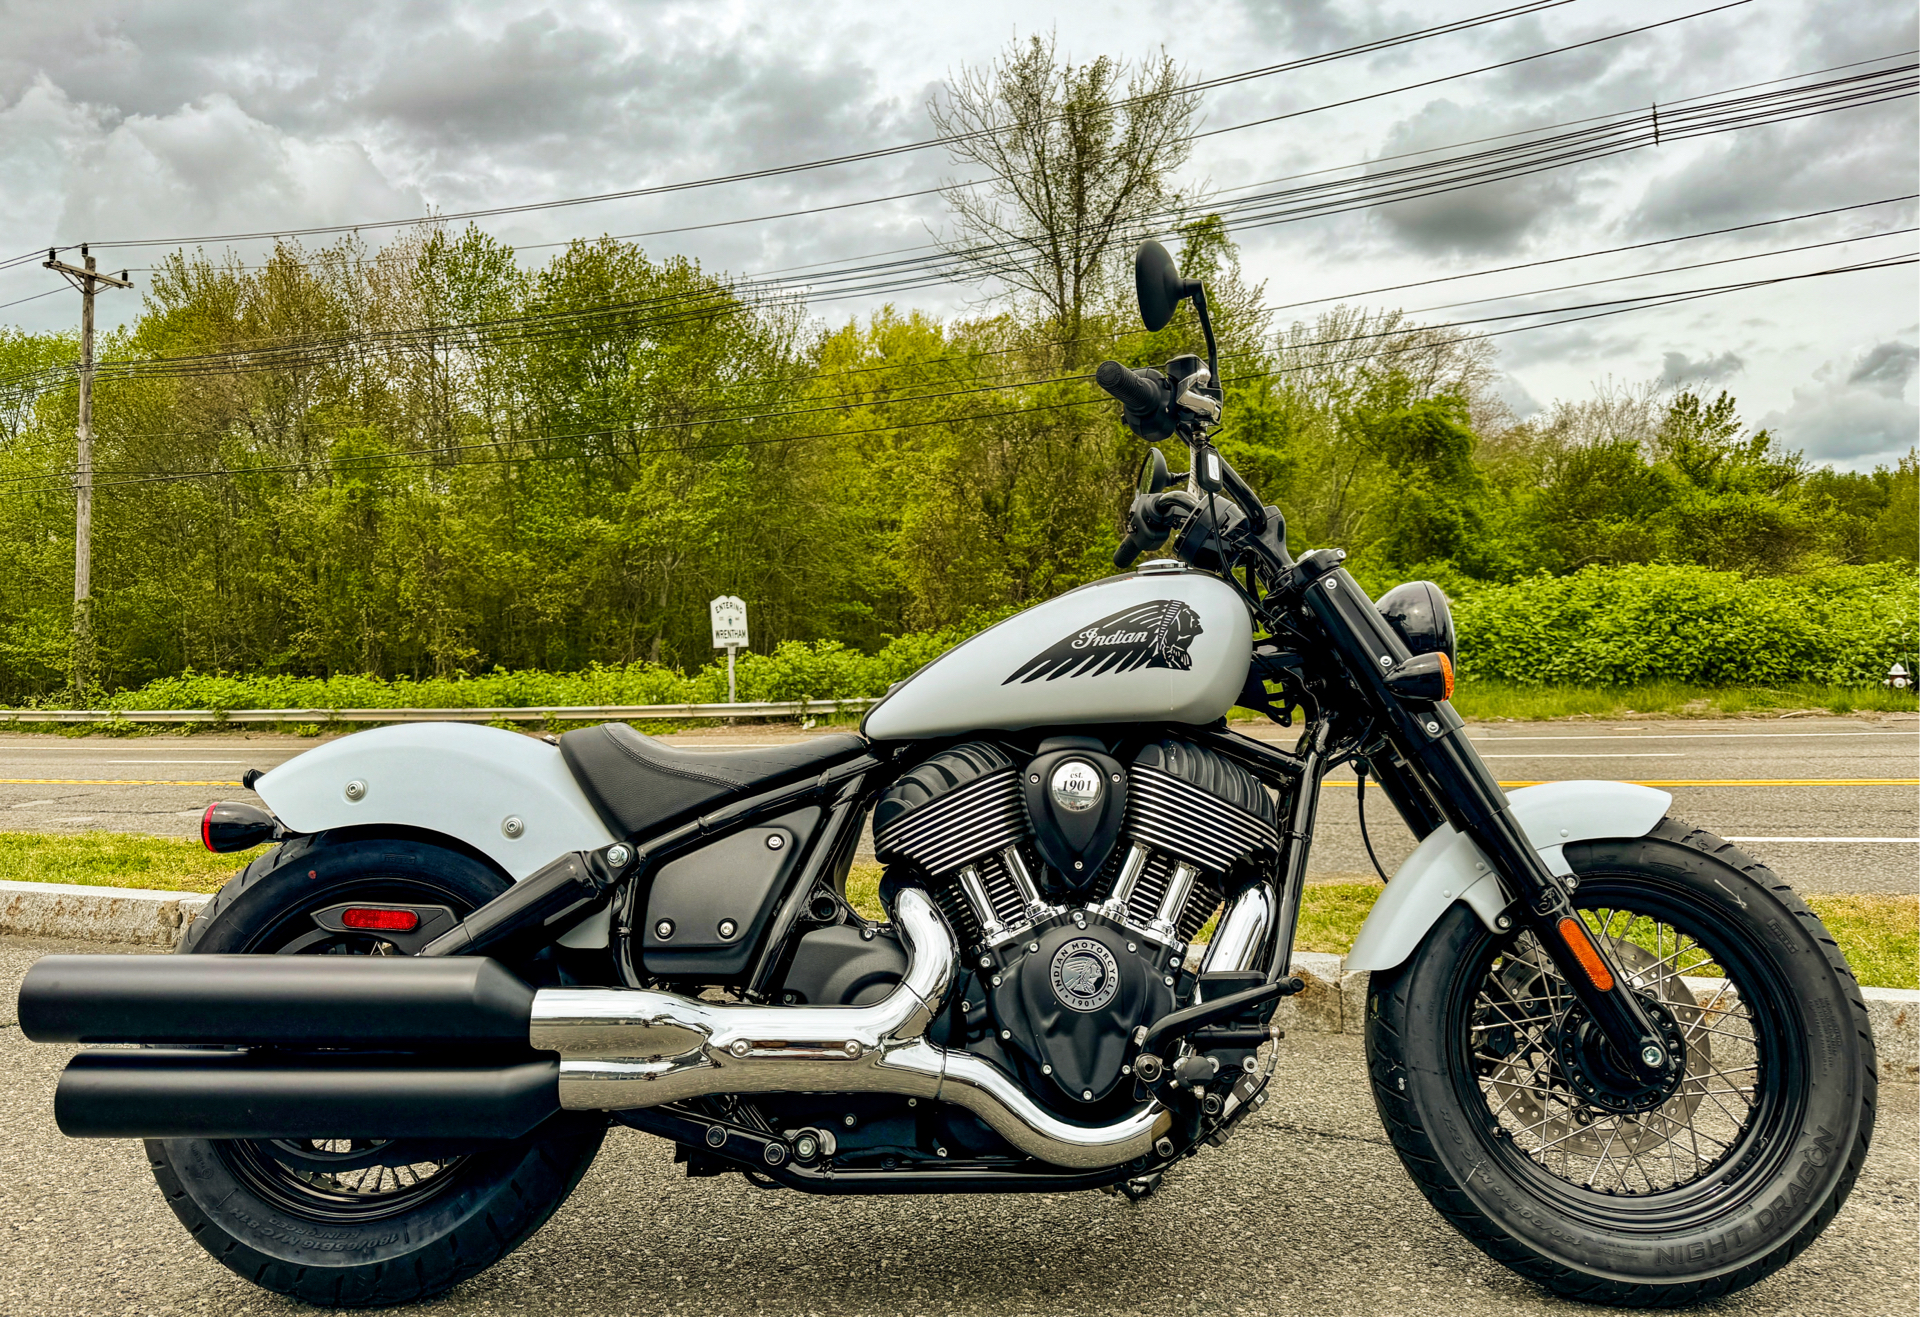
x,y
1149,635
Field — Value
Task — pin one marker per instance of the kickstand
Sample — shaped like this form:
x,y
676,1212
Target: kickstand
x,y
1138,1188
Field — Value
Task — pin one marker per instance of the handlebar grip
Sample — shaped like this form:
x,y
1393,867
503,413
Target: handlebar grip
x,y
1149,521
1136,389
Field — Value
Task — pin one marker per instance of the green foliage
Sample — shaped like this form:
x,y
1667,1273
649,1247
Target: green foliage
x,y
351,471
1624,626
793,670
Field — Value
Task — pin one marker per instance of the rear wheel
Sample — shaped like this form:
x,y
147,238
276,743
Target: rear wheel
x,y
1501,1105
365,1222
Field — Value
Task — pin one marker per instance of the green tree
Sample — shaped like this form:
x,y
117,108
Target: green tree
x,y
1071,161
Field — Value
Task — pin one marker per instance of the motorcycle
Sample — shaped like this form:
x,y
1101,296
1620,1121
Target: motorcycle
x,y
1614,1051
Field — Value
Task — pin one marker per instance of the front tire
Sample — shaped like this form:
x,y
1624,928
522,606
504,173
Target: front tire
x,y
1477,1068
361,1224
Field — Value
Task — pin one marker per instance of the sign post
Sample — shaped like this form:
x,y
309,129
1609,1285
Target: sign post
x,y
729,614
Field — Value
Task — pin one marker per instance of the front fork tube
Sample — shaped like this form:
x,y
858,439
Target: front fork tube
x,y
1435,746
1295,844
1546,909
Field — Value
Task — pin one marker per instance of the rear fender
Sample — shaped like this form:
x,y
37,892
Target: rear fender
x,y
454,779
1448,867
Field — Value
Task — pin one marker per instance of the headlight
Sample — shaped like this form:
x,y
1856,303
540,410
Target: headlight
x,y
1418,611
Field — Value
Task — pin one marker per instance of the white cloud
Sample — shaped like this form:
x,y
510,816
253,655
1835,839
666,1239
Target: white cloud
x,y
1855,414
212,166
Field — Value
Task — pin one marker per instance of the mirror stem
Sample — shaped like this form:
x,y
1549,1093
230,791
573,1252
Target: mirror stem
x,y
1206,328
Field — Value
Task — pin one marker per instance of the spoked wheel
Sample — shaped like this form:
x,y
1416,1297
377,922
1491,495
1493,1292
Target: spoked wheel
x,y
370,1221
335,1180
1507,1107
1536,1059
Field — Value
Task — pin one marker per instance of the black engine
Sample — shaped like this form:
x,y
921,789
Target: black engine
x,y
1076,882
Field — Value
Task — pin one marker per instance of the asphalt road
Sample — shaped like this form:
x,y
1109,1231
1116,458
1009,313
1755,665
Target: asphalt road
x,y
1307,1211
57,784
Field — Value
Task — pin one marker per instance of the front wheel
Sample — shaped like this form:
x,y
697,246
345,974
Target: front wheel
x,y
1484,1073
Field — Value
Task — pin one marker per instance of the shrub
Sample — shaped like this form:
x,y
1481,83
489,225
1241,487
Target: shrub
x,y
1601,627
1622,626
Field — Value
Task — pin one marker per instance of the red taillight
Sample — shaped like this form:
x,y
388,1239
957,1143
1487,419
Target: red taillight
x,y
385,921
206,824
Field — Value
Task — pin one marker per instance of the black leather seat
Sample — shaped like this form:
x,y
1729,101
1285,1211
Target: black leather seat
x,y
639,784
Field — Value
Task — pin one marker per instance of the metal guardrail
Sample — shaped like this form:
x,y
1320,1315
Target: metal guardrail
x,y
541,713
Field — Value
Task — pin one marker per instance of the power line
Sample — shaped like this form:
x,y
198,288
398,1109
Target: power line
x,y
1604,251
1212,196
936,363
1316,200
533,328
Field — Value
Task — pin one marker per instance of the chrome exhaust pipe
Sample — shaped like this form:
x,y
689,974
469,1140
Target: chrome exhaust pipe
x,y
624,1048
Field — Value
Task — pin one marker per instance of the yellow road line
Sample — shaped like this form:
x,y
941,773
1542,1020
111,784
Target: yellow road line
x,y
109,782
1334,782
1731,782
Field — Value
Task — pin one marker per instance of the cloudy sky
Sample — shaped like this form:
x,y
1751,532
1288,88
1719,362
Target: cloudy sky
x,y
129,121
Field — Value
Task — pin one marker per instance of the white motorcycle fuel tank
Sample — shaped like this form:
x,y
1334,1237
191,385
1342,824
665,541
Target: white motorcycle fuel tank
x,y
1164,644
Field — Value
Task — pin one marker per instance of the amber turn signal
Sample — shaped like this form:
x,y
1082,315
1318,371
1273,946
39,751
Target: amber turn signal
x,y
1423,679
1586,953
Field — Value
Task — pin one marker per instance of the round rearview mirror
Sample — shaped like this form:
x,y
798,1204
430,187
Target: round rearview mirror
x,y
1158,285
1153,472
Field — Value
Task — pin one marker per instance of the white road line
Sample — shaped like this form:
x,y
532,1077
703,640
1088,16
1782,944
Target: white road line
x,y
1703,736
1836,841
1644,754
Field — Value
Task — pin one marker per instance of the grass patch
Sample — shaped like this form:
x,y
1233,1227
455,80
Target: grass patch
x,y
116,859
1879,934
863,890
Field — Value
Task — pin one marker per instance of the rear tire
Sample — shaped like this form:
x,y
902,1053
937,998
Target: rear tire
x,y
1478,1078
299,1217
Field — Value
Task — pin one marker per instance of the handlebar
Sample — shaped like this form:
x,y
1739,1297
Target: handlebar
x,y
1139,390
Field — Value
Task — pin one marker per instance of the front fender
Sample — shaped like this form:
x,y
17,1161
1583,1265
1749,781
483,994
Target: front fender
x,y
1448,867
455,779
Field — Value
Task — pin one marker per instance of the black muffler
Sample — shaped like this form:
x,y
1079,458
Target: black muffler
x,y
160,1094
367,1003
342,1047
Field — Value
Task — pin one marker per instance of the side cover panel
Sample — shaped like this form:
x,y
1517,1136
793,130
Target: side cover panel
x,y
1448,867
1158,646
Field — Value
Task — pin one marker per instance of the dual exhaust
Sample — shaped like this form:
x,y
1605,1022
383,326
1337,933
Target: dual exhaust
x,y
459,1048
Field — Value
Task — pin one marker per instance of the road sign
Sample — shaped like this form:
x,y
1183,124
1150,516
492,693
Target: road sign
x,y
729,613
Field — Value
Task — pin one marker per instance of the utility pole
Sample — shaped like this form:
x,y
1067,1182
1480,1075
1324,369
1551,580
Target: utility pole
x,y
88,280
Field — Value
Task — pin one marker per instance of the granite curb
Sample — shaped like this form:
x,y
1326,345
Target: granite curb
x,y
97,914
1333,1001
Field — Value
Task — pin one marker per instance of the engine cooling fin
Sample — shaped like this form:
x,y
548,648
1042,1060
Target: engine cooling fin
x,y
961,804
1200,805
